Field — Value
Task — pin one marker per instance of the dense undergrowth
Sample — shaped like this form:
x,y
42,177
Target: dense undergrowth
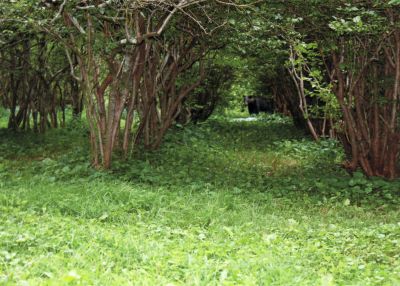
x,y
225,202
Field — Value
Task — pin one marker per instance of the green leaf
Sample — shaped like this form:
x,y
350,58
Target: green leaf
x,y
394,2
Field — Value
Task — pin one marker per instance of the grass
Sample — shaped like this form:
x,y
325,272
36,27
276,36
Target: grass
x,y
221,203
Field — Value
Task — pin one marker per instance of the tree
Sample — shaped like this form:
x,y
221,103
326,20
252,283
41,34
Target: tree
x,y
359,45
32,72
131,55
366,71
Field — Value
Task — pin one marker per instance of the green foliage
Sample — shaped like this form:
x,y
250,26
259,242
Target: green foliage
x,y
307,61
226,202
3,117
356,20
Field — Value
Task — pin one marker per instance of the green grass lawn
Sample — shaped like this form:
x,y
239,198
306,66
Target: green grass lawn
x,y
221,203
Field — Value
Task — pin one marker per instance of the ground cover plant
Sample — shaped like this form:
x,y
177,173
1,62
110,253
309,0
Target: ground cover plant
x,y
225,202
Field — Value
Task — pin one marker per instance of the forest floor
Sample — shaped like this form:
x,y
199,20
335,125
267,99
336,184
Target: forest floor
x,y
226,202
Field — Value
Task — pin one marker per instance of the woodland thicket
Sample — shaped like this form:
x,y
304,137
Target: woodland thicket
x,y
134,68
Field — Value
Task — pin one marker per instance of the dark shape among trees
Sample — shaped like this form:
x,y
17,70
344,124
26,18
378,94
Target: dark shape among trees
x,y
257,104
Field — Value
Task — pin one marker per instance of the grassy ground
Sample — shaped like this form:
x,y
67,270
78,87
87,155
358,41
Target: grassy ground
x,y
222,203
